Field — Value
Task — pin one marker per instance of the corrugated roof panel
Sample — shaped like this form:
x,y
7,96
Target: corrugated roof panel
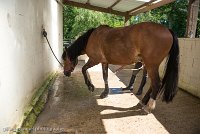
x,y
126,5
144,0
80,1
102,3
119,7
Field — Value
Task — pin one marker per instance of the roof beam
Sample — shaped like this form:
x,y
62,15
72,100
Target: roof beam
x,y
95,8
141,6
114,4
152,6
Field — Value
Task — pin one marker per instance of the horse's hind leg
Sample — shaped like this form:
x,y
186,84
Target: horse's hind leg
x,y
89,64
105,78
146,98
153,91
132,80
143,82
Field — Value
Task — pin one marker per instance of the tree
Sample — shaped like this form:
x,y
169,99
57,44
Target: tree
x,y
69,13
198,26
173,16
78,20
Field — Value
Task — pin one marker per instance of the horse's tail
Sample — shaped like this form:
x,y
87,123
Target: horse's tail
x,y
170,79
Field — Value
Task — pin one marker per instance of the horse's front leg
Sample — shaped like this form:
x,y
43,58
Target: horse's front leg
x,y
105,78
89,64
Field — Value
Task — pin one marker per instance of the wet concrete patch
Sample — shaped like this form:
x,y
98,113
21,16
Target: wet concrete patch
x,y
73,109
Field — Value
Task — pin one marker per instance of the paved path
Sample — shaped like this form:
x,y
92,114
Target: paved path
x,y
73,109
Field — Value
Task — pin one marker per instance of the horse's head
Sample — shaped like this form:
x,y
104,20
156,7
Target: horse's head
x,y
69,64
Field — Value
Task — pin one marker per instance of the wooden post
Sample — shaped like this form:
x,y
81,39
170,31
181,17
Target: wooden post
x,y
126,22
193,9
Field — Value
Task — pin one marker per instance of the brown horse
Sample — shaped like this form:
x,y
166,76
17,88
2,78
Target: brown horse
x,y
147,42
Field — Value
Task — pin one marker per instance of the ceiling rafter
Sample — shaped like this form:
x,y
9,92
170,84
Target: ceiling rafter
x,y
114,4
141,6
151,6
95,8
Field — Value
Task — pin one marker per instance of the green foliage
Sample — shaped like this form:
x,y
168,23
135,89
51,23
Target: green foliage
x,y
69,15
78,20
198,26
177,17
173,16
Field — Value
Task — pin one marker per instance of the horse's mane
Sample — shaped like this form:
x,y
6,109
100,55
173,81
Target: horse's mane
x,y
79,45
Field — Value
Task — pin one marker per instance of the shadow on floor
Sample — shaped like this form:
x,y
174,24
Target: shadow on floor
x,y
182,116
73,109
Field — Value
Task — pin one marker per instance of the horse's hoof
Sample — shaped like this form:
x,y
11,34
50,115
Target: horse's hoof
x,y
147,109
91,88
150,106
103,95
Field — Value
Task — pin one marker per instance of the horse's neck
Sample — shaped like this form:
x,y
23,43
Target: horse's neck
x,y
75,51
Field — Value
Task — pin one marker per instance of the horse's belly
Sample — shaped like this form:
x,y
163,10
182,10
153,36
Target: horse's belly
x,y
125,59
120,63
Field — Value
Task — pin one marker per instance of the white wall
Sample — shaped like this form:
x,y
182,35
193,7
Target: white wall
x,y
25,58
189,78
189,75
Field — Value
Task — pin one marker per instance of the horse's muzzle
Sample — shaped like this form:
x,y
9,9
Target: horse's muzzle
x,y
66,73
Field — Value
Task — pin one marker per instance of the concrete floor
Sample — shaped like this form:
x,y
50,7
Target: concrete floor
x,y
73,109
